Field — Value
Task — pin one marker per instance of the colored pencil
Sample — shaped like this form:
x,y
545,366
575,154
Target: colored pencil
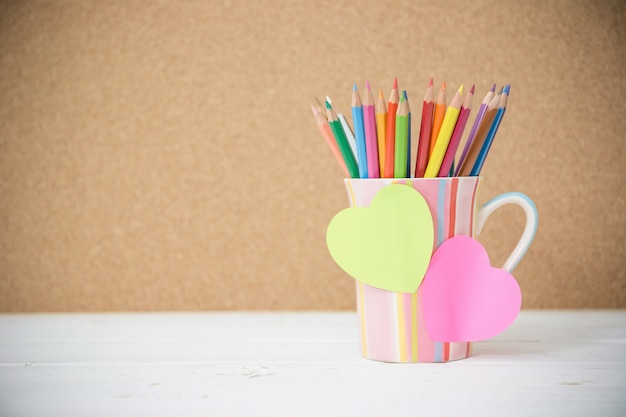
x,y
369,121
439,113
346,128
359,132
381,130
321,108
324,127
445,133
401,140
390,135
477,120
481,134
423,146
408,153
342,141
478,165
447,166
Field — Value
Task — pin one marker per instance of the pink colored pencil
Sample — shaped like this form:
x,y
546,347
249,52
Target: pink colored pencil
x,y
324,127
423,146
455,140
371,138
472,134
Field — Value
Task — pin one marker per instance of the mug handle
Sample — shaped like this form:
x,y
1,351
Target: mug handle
x,y
529,231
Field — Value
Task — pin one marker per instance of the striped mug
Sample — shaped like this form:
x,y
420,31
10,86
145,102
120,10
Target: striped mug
x,y
391,324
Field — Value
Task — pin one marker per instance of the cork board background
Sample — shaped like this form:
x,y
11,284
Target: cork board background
x,y
161,155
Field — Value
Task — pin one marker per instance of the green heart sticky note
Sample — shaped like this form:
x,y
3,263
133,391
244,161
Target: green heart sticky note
x,y
387,245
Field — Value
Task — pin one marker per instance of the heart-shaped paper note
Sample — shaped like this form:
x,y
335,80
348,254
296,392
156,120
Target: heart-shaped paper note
x,y
388,244
463,297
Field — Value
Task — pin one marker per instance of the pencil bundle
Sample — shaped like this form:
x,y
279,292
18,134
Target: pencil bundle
x,y
378,142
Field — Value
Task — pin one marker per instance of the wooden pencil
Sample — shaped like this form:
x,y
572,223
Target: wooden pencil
x,y
401,140
390,135
447,165
481,135
439,113
477,120
409,145
381,130
423,146
445,133
327,134
321,108
342,141
346,128
359,131
371,144
484,151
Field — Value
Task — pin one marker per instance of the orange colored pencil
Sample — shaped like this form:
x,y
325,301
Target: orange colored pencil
x,y
381,129
423,146
440,112
327,133
390,136
445,133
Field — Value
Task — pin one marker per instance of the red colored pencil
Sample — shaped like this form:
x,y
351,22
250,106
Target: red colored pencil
x,y
455,140
423,146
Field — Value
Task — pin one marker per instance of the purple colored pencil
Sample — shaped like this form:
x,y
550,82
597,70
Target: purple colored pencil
x,y
472,134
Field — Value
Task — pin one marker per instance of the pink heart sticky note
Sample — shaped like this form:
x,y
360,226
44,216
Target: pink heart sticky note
x,y
388,244
463,297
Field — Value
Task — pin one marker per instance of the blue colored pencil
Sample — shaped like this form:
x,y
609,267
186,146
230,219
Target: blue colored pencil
x,y
359,132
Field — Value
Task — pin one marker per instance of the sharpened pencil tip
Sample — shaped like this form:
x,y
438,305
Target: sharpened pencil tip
x,y
380,94
328,100
443,85
472,89
328,106
367,84
395,84
314,108
461,89
493,89
507,88
354,87
404,95
430,84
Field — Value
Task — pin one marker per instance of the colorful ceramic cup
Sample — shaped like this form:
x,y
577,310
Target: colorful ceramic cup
x,y
391,325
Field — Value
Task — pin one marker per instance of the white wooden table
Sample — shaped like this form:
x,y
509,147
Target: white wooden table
x,y
548,363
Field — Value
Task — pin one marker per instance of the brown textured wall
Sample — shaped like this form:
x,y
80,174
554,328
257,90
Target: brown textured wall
x,y
162,155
